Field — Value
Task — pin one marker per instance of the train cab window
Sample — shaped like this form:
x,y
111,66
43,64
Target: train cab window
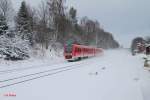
x,y
68,49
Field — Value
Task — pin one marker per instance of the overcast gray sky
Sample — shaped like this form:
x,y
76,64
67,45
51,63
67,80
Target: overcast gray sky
x,y
126,19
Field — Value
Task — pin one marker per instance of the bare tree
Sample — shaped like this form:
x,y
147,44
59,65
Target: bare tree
x,y
43,29
90,28
97,26
33,17
43,13
6,8
57,16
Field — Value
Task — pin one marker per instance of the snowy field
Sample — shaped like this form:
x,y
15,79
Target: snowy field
x,y
116,75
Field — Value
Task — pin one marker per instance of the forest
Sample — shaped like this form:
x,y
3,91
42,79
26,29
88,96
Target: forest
x,y
50,25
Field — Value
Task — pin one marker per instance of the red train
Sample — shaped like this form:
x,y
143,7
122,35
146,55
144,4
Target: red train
x,y
76,52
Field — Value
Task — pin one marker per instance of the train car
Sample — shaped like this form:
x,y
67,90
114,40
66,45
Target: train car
x,y
76,52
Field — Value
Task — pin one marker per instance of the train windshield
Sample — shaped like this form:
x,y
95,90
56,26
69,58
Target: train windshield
x,y
68,49
69,45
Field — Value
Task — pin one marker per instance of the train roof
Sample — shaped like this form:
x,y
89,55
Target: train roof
x,y
86,46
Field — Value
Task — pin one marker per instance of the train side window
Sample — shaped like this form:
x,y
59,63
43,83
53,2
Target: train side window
x,y
80,50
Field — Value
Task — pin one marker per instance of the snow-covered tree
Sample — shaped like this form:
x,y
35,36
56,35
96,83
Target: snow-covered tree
x,y
135,42
3,24
23,22
14,47
6,9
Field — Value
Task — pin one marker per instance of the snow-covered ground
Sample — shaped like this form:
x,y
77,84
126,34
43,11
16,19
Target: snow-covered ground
x,y
116,75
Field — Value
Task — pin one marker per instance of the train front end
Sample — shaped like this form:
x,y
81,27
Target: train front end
x,y
68,52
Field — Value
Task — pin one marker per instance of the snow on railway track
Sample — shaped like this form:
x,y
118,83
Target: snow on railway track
x,y
93,78
37,75
25,68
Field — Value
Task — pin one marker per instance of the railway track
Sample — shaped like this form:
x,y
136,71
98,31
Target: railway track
x,y
25,78
23,69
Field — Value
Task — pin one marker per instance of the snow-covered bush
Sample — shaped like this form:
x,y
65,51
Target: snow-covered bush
x,y
13,47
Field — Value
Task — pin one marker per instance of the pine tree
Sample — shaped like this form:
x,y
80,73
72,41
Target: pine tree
x,y
73,15
3,24
23,22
